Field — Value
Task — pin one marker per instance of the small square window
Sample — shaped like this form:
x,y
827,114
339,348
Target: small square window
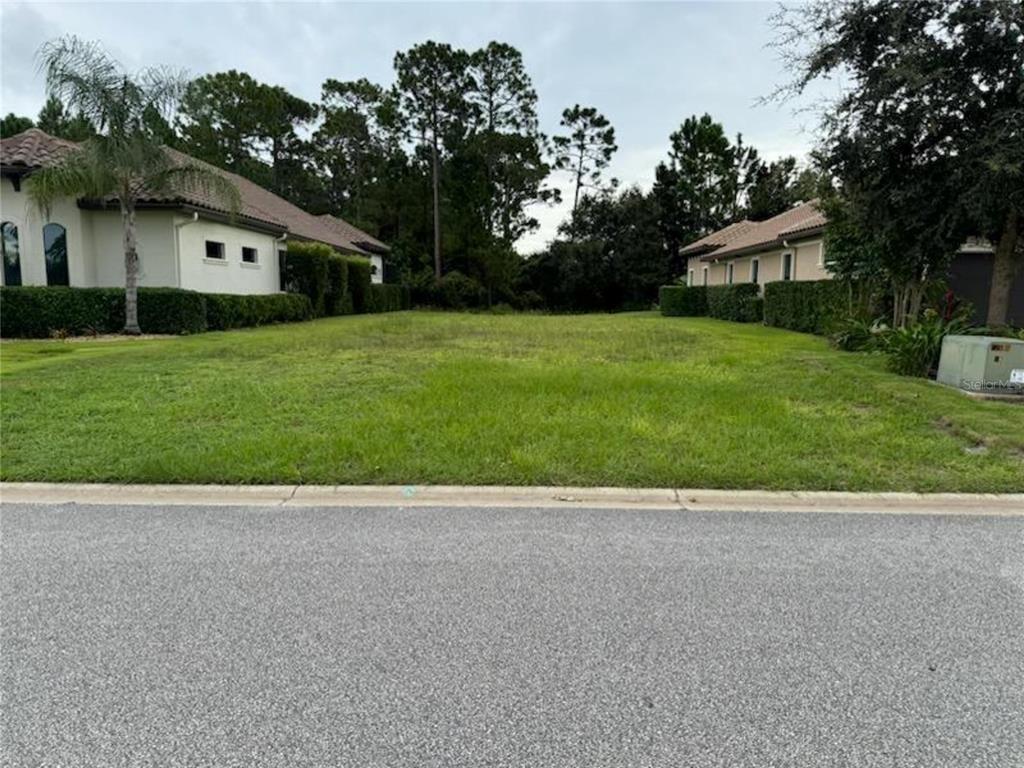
x,y
214,250
249,255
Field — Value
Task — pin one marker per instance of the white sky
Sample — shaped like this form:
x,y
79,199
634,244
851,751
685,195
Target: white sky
x,y
646,66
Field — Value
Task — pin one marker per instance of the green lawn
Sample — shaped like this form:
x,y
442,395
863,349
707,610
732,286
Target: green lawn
x,y
417,397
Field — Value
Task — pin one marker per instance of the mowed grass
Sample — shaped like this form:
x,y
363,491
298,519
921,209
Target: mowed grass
x,y
417,397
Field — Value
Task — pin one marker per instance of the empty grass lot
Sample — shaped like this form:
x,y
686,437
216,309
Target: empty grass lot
x,y
417,397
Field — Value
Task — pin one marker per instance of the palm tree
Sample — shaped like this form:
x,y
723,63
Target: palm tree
x,y
125,161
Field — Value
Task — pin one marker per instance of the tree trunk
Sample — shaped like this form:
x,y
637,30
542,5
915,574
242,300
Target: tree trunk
x,y
437,209
1005,266
131,272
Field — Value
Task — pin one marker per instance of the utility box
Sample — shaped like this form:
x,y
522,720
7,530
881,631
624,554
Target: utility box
x,y
986,364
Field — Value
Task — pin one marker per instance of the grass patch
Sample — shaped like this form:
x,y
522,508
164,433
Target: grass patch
x,y
418,397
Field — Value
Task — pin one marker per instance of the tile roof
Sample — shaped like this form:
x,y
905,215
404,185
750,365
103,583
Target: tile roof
x,y
35,148
747,237
719,238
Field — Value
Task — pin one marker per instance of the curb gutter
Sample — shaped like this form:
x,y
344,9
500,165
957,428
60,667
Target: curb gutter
x,y
694,500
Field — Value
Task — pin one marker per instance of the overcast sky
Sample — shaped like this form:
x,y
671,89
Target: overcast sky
x,y
646,66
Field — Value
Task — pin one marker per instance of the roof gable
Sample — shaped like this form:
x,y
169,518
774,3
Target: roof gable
x,y
801,220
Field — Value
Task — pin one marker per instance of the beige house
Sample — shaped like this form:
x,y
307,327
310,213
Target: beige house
x,y
185,240
784,247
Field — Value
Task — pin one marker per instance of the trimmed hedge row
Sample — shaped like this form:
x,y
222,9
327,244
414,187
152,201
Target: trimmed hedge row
x,y
37,312
813,306
337,287
225,311
389,298
306,270
739,302
360,273
683,300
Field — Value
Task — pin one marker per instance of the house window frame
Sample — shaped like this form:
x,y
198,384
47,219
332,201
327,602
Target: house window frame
x,y
46,256
730,273
255,256
705,276
221,259
15,264
689,277
792,266
755,270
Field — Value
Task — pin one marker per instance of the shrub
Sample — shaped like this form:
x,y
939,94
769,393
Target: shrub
x,y
855,334
359,274
813,306
739,303
683,300
306,271
225,311
389,298
40,311
458,291
337,285
915,349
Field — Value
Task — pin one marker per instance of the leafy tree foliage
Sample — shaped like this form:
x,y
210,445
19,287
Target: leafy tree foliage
x,y
56,121
13,124
927,141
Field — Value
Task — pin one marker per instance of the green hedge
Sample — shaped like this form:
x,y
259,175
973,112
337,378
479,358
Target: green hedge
x,y
389,298
38,312
226,310
683,300
813,306
359,282
739,302
337,286
306,271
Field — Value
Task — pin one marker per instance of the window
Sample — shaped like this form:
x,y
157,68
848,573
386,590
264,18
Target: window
x,y
689,277
705,275
55,246
787,266
249,255
282,277
729,273
754,268
214,250
11,253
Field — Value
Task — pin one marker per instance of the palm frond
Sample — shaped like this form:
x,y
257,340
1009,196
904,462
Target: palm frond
x,y
201,180
82,76
82,173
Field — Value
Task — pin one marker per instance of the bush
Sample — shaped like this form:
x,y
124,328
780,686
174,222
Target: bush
x,y
855,334
457,291
337,286
359,282
306,272
389,298
225,310
813,306
683,301
915,349
739,303
40,311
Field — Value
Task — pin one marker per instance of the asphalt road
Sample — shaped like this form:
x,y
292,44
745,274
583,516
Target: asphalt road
x,y
352,637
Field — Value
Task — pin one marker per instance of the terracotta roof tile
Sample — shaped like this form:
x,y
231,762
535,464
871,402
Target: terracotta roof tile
x,y
358,239
800,220
33,148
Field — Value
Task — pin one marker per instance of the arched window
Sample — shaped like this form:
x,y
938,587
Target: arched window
x,y
11,253
55,246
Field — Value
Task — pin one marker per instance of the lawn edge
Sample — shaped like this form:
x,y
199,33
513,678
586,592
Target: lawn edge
x,y
537,497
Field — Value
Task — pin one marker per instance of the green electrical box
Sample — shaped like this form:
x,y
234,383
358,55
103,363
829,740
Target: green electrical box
x,y
989,364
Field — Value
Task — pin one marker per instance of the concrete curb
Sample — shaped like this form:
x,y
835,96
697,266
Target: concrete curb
x,y
510,496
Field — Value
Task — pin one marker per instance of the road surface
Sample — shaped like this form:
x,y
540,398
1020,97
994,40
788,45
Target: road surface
x,y
223,636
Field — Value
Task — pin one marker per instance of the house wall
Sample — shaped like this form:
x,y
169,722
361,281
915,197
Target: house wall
x,y
18,209
154,236
807,265
377,274
231,275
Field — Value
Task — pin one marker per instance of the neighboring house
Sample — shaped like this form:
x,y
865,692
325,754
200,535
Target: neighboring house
x,y
185,240
785,247
790,247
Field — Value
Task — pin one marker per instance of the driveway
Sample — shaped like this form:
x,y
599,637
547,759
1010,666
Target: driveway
x,y
227,636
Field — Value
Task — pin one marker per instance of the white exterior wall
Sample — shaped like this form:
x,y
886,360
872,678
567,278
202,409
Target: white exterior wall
x,y
231,275
808,264
377,274
169,255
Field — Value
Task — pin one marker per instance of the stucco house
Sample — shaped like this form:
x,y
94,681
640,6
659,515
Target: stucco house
x,y
790,246
185,240
785,247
